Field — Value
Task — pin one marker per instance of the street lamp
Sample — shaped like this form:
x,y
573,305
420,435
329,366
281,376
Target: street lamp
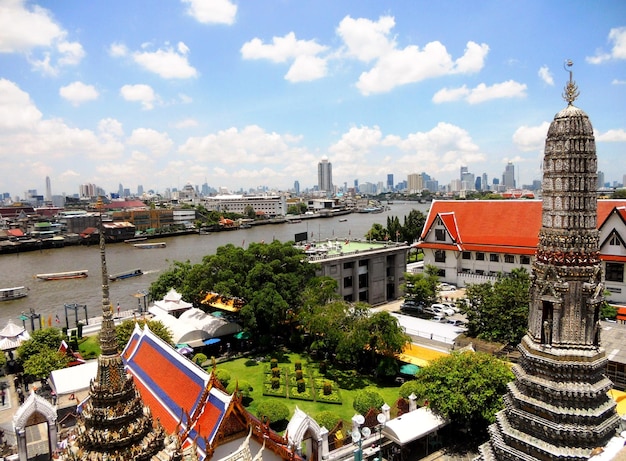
x,y
358,436
382,420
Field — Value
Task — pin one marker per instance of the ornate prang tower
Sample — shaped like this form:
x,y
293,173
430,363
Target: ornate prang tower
x,y
114,424
558,408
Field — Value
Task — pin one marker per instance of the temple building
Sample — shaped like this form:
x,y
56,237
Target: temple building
x,y
114,424
557,408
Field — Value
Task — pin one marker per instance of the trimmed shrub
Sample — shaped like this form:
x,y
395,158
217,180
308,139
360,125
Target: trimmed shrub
x,y
298,375
199,358
298,366
411,387
323,367
273,363
275,383
366,399
276,372
301,385
223,376
273,410
328,387
327,419
245,388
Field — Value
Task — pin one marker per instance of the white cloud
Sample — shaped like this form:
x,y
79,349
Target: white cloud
x,y
617,37
212,11
78,93
167,63
157,143
17,111
481,93
531,138
34,32
247,146
611,136
356,144
118,50
110,128
306,65
142,93
365,39
412,65
186,123
545,75
618,82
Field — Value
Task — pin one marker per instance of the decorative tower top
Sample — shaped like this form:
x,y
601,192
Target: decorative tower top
x,y
571,90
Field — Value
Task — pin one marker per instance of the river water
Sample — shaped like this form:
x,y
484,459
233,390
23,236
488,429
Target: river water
x,y
47,298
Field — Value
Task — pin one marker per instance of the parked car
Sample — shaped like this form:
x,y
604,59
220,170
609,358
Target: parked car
x,y
442,308
456,322
439,318
435,309
452,306
446,287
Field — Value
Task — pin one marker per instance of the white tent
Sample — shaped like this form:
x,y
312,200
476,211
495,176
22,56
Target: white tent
x,y
12,336
73,379
172,304
213,326
183,332
413,426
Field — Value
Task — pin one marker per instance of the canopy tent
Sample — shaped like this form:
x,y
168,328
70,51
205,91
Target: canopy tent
x,y
73,379
413,426
213,326
183,332
409,369
12,335
172,303
211,341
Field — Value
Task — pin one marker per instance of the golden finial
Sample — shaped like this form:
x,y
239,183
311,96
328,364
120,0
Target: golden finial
x,y
571,90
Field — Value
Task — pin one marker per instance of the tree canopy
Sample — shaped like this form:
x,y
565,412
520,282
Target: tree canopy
x,y
465,387
499,311
40,354
422,287
407,232
124,330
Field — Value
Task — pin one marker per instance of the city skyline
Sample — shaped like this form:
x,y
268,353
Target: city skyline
x,y
235,95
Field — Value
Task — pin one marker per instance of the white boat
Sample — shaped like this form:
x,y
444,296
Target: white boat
x,y
145,246
7,294
63,275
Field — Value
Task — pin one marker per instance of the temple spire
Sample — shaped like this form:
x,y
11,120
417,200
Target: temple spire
x,y
571,89
108,340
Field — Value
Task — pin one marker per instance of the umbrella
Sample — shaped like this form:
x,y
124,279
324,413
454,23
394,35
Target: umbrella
x,y
409,369
242,335
181,345
185,350
217,314
210,341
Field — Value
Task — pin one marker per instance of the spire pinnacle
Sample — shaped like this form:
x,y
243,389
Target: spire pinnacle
x,y
571,89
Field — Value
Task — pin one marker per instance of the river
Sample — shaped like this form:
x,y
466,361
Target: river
x,y
47,298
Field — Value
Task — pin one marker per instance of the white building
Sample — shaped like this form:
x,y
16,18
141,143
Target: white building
x,y
269,205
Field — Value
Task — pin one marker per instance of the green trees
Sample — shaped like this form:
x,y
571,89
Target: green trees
x,y
394,231
269,277
124,330
422,287
366,399
40,354
499,311
466,388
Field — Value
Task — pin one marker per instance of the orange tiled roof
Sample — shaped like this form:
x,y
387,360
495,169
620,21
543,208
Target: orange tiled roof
x,y
497,225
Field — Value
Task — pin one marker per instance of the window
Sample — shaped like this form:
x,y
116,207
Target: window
x,y
510,259
440,235
349,265
480,256
480,272
363,281
333,269
524,259
494,257
347,282
363,262
467,255
614,272
440,256
614,241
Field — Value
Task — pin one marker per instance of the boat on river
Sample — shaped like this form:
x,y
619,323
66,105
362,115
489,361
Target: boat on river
x,y
63,275
6,294
125,275
146,246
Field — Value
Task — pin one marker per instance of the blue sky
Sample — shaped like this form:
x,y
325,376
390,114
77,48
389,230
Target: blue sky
x,y
248,93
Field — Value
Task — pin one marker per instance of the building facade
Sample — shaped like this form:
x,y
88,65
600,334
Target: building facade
x,y
269,205
325,176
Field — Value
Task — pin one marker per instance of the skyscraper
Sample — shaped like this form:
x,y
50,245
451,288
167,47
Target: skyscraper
x,y
508,177
48,189
558,407
390,182
325,175
296,187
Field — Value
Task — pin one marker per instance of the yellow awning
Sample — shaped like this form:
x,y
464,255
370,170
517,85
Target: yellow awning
x,y
620,399
419,355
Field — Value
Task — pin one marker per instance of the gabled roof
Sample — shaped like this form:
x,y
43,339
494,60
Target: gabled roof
x,y
494,225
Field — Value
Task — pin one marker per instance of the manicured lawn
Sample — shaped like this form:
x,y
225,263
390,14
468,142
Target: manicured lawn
x,y
89,347
350,383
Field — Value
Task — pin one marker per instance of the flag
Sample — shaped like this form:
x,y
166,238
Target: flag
x,y
50,320
56,318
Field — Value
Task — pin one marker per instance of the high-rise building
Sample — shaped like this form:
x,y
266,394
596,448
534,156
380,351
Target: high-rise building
x,y
415,183
296,187
485,181
558,407
508,177
390,182
48,189
325,175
